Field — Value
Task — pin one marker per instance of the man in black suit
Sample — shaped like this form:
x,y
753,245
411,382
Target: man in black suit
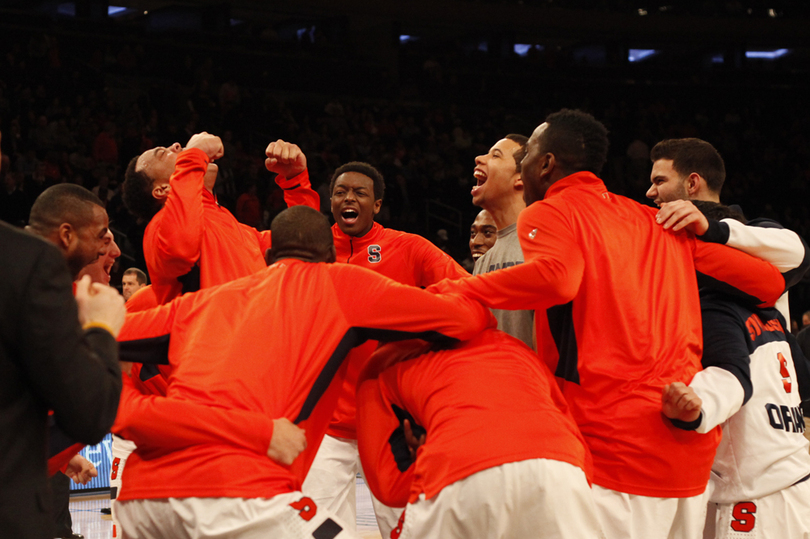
x,y
53,355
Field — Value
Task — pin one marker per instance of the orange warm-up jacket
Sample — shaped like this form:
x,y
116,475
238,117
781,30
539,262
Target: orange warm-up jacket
x,y
406,258
193,242
481,403
277,350
617,318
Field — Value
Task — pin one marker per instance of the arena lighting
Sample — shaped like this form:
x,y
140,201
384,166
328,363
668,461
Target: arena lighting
x,y
67,8
522,49
767,55
718,59
404,38
637,55
112,11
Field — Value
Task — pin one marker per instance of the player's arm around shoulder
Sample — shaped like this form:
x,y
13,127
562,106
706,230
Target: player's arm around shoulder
x,y
376,302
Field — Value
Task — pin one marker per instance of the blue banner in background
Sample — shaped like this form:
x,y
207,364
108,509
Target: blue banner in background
x,y
101,457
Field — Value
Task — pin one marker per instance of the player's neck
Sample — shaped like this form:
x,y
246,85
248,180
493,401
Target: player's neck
x,y
506,213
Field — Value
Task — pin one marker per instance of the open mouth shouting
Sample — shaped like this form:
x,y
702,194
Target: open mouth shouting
x,y
349,215
480,179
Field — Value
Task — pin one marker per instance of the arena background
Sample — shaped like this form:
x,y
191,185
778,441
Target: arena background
x,y
416,88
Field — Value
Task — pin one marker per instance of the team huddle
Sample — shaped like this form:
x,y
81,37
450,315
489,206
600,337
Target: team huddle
x,y
610,370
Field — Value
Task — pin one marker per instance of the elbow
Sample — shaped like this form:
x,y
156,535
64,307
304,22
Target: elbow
x,y
773,292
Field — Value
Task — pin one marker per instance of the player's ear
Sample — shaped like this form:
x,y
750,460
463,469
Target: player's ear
x,y
332,256
377,206
517,182
161,191
693,184
65,235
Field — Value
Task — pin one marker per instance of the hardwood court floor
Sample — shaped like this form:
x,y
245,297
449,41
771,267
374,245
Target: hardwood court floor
x,y
88,520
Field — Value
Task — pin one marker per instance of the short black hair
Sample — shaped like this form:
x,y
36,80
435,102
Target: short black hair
x,y
62,203
300,230
366,170
520,153
140,276
137,192
715,210
690,155
578,141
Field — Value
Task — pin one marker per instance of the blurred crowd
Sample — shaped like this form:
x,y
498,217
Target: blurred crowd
x,y
76,108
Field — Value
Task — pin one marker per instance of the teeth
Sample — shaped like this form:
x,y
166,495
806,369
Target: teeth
x,y
480,175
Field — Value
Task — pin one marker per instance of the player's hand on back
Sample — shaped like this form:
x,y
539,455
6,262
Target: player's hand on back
x,y
288,441
285,159
680,214
210,144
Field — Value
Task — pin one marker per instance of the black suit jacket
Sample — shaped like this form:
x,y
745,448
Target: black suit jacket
x,y
47,362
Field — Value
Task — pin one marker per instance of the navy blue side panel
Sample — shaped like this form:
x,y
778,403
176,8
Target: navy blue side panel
x,y
149,370
152,350
355,337
191,280
561,325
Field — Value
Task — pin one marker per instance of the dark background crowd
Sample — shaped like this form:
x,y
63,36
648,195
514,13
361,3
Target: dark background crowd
x,y
83,90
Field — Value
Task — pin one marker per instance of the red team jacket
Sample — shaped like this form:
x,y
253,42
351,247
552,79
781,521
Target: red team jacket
x,y
194,243
483,403
407,259
272,343
618,318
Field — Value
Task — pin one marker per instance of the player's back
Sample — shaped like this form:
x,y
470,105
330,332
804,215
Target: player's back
x,y
274,343
632,327
484,402
268,343
763,449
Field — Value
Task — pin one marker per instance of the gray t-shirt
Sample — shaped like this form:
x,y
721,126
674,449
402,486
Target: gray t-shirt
x,y
504,254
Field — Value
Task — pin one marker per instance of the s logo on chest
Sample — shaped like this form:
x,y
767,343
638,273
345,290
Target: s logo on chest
x,y
374,253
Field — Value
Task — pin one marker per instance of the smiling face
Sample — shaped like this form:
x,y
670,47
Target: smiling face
x,y
495,173
667,183
353,204
483,234
99,270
